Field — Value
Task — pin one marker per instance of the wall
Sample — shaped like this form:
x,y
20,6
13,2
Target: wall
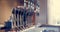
x,y
42,19
54,12
5,9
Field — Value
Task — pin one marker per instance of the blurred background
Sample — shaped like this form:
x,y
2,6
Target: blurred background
x,y
49,11
7,5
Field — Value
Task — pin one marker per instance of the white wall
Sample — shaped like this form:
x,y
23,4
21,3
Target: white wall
x,y
54,12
